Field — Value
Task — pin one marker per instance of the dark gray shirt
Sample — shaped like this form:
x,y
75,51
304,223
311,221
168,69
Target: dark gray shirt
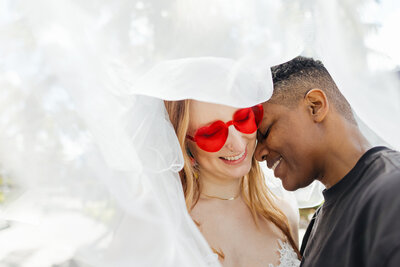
x,y
359,222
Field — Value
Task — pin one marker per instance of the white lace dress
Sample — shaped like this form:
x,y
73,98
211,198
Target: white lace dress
x,y
288,257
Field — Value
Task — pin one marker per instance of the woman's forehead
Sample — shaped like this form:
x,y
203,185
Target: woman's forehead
x,y
203,113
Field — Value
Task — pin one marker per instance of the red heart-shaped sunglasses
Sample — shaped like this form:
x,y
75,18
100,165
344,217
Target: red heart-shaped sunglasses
x,y
213,137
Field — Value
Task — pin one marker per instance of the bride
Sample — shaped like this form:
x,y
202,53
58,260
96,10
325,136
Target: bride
x,y
224,187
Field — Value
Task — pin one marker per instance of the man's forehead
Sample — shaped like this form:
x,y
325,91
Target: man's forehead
x,y
265,118
269,111
263,123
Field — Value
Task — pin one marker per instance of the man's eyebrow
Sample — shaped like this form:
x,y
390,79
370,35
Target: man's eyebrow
x,y
261,135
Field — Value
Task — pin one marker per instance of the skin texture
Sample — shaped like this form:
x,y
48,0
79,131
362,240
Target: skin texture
x,y
228,226
314,141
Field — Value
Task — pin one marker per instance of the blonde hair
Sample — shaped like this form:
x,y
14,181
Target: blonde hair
x,y
255,193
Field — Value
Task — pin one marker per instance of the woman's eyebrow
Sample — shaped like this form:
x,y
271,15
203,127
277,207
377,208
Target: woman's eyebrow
x,y
207,124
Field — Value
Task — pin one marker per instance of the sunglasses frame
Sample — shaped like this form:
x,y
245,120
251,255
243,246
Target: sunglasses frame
x,y
258,113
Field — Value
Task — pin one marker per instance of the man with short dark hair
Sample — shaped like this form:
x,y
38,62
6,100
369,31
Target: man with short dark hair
x,y
309,133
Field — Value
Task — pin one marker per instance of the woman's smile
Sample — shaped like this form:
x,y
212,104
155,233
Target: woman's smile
x,y
234,160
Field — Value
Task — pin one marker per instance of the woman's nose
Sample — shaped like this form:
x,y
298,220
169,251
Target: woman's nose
x,y
235,142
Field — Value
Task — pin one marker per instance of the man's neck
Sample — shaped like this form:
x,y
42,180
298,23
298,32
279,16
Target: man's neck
x,y
342,155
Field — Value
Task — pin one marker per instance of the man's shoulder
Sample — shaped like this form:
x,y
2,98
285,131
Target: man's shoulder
x,y
384,173
384,188
381,206
378,193
382,192
388,157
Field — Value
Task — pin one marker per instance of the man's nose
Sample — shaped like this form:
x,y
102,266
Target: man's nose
x,y
261,151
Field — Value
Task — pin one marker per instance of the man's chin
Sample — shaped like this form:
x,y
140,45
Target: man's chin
x,y
291,185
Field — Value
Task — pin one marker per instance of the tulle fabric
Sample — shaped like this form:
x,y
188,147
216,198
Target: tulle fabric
x,y
88,157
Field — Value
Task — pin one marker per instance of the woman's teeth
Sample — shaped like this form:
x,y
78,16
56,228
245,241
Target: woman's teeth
x,y
236,157
276,163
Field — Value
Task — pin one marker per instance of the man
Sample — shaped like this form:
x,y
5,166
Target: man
x,y
309,133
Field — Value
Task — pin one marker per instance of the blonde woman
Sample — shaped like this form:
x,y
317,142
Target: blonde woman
x,y
225,191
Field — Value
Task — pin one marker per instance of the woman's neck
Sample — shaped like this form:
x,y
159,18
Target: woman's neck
x,y
219,187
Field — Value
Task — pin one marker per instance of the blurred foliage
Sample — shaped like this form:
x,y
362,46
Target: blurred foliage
x,y
306,215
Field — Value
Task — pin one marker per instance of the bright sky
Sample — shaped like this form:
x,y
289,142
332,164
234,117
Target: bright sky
x,y
387,40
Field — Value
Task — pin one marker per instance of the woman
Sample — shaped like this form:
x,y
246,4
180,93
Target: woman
x,y
224,188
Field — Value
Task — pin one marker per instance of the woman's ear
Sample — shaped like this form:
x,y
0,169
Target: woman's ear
x,y
193,161
317,104
189,152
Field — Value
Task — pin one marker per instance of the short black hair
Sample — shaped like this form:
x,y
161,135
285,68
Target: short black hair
x,y
293,79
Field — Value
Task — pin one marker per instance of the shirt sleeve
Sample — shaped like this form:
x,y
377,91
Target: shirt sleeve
x,y
393,259
382,230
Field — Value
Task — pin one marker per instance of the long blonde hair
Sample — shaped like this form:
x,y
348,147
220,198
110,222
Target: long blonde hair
x,y
255,193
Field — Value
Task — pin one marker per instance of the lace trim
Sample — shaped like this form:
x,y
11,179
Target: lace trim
x,y
212,260
288,257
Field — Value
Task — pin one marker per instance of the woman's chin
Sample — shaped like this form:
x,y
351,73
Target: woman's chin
x,y
239,171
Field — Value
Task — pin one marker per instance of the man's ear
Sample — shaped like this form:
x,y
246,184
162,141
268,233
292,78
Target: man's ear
x,y
317,104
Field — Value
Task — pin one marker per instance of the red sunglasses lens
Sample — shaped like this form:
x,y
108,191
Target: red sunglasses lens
x,y
258,111
212,138
244,121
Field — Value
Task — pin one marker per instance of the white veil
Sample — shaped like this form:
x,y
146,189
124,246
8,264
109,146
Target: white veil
x,y
88,157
